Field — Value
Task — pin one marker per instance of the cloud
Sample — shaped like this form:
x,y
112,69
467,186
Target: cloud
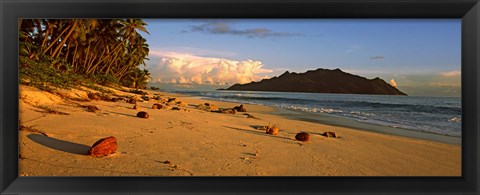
x,y
377,58
454,73
352,49
393,83
181,68
359,72
196,51
440,84
218,27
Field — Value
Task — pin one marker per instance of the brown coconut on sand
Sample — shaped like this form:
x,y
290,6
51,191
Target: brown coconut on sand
x,y
330,134
143,114
270,129
103,147
132,101
157,106
304,137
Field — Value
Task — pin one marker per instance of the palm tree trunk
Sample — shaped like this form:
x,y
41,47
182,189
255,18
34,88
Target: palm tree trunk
x,y
44,39
110,64
86,57
53,42
100,60
68,52
74,58
57,52
90,63
122,72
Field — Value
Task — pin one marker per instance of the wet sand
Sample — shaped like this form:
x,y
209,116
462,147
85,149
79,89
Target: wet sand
x,y
350,123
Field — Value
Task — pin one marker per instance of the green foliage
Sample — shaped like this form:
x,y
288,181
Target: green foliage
x,y
90,84
136,78
58,51
40,74
106,79
29,50
45,77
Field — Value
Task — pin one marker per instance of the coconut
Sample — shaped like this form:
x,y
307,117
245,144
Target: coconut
x,y
304,137
330,134
143,114
132,101
103,147
272,129
157,106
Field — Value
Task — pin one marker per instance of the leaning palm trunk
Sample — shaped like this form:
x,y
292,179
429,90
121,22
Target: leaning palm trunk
x,y
54,41
56,52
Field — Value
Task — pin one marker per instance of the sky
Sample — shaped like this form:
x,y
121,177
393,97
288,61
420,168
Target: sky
x,y
419,57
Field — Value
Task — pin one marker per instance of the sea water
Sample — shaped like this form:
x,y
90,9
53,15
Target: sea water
x,y
439,115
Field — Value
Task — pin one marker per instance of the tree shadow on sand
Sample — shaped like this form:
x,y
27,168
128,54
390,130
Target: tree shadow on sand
x,y
61,145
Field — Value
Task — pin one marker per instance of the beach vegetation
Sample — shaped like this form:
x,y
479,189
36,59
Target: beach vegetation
x,y
137,78
69,52
37,73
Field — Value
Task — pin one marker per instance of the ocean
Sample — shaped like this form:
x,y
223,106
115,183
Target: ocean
x,y
438,115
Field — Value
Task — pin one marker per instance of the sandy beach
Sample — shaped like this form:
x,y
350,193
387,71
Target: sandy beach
x,y
195,142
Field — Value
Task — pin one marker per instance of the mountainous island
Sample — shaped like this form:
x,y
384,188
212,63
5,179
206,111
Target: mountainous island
x,y
321,81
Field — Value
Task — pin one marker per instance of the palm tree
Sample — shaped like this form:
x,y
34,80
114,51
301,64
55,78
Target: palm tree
x,y
87,46
138,78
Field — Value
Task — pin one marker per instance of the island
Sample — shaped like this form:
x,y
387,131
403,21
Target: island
x,y
321,81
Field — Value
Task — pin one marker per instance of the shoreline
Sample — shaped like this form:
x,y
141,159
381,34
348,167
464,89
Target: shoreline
x,y
327,119
351,123
195,142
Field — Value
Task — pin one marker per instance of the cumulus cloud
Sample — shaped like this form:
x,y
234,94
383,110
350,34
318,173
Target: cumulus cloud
x,y
454,73
219,27
377,58
393,83
184,68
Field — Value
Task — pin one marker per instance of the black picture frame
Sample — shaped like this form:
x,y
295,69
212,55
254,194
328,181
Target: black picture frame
x,y
468,10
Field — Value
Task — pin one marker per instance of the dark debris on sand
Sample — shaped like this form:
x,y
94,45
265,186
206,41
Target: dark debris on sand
x,y
31,129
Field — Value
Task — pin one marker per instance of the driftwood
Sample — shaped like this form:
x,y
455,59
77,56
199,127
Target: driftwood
x,y
225,111
31,129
